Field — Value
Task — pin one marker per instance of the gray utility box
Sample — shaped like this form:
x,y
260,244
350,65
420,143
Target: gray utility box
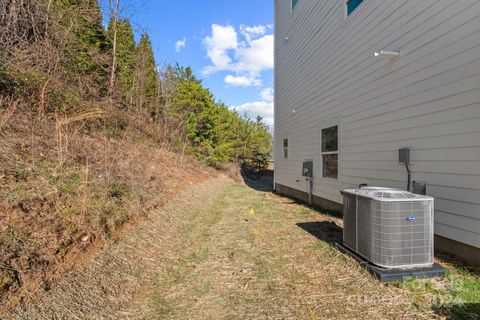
x,y
307,169
404,155
390,228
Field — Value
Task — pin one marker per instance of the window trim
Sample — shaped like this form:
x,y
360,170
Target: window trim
x,y
285,148
345,4
294,4
332,122
326,153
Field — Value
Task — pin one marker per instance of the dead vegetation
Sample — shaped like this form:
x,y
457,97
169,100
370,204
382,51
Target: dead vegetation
x,y
206,255
64,194
268,266
87,146
114,285
74,168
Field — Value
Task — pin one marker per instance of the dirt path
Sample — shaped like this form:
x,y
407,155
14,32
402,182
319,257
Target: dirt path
x,y
205,256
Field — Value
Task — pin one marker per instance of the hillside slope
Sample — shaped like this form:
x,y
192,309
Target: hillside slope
x,y
114,284
93,136
55,216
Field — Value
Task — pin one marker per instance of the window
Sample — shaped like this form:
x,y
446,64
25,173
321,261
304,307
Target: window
x,y
294,3
352,5
285,148
330,152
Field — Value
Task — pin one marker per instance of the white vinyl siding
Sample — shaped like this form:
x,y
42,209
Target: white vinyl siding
x,y
428,99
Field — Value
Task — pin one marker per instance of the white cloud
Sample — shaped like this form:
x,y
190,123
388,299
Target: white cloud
x,y
252,31
257,56
257,108
263,108
223,39
180,44
267,94
246,56
243,81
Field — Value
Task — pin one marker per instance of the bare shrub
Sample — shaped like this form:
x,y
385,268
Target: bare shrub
x,y
232,170
11,106
21,22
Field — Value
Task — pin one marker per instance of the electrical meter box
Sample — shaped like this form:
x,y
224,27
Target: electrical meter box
x,y
307,170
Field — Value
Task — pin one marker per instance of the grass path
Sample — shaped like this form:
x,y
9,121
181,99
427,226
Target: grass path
x,y
205,256
276,264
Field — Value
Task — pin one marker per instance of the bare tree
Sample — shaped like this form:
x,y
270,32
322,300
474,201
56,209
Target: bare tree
x,y
114,9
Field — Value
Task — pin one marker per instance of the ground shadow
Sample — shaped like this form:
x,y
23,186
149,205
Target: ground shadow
x,y
260,181
457,263
312,206
466,311
318,230
316,208
327,231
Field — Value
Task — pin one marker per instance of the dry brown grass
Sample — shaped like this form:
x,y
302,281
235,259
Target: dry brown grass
x,y
204,256
235,266
114,284
11,106
66,190
77,168
232,170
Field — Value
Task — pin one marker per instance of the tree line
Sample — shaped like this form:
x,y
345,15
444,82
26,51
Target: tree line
x,y
58,56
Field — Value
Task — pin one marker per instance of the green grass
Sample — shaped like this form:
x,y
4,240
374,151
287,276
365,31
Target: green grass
x,y
71,212
269,266
456,297
68,183
13,236
161,306
462,299
194,257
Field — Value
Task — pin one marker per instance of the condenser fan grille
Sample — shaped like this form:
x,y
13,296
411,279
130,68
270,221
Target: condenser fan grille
x,y
394,195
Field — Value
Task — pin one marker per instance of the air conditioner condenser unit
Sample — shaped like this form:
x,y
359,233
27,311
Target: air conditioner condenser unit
x,y
390,228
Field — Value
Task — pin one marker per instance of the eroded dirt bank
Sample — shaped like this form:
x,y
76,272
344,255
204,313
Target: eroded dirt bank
x,y
113,285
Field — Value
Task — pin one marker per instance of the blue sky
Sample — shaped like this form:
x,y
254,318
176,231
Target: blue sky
x,y
229,44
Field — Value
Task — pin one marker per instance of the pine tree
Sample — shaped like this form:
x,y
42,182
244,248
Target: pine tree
x,y
146,75
190,95
216,133
86,43
125,53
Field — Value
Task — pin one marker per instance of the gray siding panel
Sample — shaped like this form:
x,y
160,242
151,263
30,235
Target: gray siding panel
x,y
428,99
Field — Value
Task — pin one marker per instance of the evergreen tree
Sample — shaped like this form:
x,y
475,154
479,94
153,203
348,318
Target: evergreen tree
x,y
75,73
146,75
216,133
190,95
125,53
91,30
86,41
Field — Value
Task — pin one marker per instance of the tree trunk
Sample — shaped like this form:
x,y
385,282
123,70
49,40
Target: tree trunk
x,y
114,11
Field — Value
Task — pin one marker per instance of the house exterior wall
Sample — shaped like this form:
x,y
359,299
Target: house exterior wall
x,y
428,99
